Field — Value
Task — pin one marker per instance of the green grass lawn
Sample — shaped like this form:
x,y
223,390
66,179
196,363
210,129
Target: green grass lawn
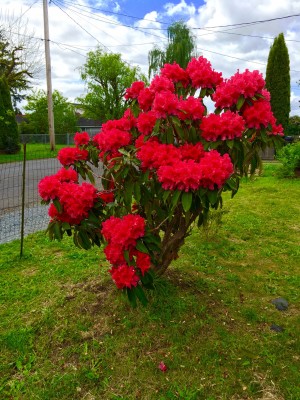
x,y
34,151
66,332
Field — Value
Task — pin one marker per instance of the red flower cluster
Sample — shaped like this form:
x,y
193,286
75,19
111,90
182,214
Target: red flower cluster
x,y
247,84
112,140
161,84
212,171
191,108
145,99
49,186
227,125
259,114
134,90
81,138
121,235
216,169
106,197
69,155
153,154
76,202
146,122
165,103
175,73
202,75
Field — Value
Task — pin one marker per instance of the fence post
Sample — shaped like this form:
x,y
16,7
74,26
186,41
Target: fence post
x,y
23,199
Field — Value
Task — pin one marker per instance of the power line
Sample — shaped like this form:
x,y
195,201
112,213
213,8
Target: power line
x,y
242,34
143,30
79,25
250,23
242,59
114,13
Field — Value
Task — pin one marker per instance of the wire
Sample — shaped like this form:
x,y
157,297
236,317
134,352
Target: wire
x,y
114,13
241,34
118,24
80,25
250,23
36,1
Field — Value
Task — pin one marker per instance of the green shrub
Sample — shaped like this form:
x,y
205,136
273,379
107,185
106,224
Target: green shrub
x,y
289,156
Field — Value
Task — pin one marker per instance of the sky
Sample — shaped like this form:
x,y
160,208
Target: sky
x,y
232,34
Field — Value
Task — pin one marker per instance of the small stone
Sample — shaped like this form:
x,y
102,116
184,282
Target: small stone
x,y
276,328
281,304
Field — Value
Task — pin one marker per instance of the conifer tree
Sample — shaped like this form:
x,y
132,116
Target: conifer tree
x,y
278,80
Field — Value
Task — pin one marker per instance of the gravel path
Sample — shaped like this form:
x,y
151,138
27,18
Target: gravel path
x,y
36,219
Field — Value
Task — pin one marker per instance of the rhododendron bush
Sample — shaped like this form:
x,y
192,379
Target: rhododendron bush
x,y
164,164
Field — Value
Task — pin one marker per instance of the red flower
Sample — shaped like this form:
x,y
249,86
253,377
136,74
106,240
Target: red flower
x,y
165,103
146,122
134,90
81,138
112,139
69,155
162,366
190,151
145,99
191,108
153,154
259,114
201,73
175,73
162,84
48,187
106,197
67,175
215,169
247,84
182,175
124,276
227,125
143,261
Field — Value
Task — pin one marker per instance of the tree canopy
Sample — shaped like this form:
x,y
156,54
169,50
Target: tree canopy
x,y
65,119
20,56
107,77
9,136
181,48
278,80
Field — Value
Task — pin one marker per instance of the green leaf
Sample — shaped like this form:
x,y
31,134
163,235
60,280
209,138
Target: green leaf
x,y
175,198
212,196
128,194
141,295
131,296
140,246
166,195
202,92
85,242
57,231
137,191
90,176
57,205
186,199
240,102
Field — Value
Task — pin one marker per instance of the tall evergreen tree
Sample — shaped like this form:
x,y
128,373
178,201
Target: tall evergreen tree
x,y
9,135
278,80
181,48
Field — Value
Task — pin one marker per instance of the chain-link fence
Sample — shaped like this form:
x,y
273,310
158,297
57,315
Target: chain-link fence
x,y
18,185
21,211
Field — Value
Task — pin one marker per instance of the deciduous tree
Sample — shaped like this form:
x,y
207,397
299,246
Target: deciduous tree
x,y
107,76
65,119
181,48
9,135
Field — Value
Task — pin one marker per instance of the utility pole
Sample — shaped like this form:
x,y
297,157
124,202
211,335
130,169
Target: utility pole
x,y
48,76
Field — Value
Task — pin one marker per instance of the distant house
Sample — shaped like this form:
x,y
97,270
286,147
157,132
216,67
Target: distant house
x,y
89,125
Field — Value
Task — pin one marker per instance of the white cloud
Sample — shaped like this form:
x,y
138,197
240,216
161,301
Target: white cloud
x,y
181,9
228,48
